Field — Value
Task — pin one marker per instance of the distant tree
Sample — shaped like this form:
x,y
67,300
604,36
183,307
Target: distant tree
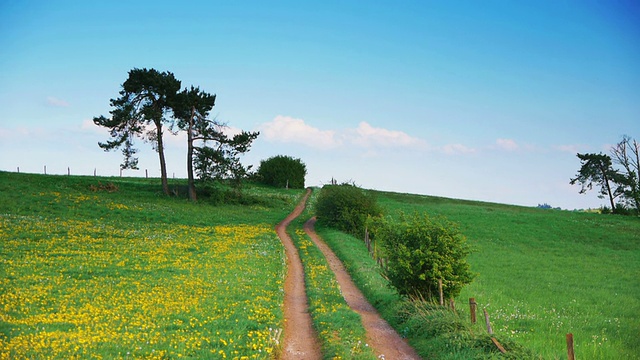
x,y
598,169
217,155
142,110
281,171
627,154
192,108
346,207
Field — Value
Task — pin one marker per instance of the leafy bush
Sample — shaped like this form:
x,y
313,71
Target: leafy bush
x,y
281,171
346,208
421,250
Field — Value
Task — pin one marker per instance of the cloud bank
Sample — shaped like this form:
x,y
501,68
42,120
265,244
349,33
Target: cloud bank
x,y
286,129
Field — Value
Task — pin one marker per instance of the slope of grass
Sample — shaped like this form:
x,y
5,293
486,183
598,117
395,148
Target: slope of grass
x,y
546,273
109,267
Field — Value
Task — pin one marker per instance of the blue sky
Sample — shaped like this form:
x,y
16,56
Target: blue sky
x,y
483,100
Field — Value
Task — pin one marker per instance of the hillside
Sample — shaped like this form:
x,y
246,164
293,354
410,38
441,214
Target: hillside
x,y
546,273
67,242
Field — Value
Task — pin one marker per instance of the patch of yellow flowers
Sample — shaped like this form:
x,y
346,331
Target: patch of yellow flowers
x,y
92,289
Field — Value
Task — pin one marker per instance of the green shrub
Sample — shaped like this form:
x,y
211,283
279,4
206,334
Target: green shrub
x,y
281,171
346,208
420,251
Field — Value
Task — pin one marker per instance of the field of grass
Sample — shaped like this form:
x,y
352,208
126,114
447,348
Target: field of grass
x,y
546,273
90,272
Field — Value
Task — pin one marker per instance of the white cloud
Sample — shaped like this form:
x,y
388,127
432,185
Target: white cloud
x,y
573,149
290,130
366,135
54,101
507,144
452,149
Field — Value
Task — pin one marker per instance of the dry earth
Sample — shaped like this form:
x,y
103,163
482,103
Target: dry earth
x,y
300,340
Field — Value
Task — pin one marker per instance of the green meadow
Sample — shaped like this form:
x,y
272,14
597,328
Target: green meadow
x,y
110,268
546,273
95,267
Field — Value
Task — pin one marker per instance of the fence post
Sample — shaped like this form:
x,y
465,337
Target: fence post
x,y
486,320
18,169
68,171
570,353
472,308
94,172
146,173
45,169
440,291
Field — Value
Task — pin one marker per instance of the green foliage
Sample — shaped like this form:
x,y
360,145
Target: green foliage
x,y
346,207
434,331
421,250
281,170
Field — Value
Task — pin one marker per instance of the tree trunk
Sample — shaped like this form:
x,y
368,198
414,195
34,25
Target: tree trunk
x,y
191,182
163,164
606,182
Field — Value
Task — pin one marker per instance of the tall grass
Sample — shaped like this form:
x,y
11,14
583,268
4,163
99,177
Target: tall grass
x,y
120,271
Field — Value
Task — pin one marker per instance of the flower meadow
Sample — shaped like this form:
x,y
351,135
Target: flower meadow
x,y
119,287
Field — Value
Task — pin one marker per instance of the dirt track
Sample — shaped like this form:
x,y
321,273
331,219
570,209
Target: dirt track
x,y
300,340
384,340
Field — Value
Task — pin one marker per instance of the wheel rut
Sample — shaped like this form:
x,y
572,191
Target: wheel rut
x,y
300,339
382,338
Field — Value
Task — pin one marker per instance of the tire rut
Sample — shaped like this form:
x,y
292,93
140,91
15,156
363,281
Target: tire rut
x,y
383,339
300,339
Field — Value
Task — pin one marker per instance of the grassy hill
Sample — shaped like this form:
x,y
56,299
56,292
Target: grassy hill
x,y
110,266
546,273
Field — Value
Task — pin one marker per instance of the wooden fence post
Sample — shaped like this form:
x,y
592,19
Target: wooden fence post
x,y
146,173
472,308
68,171
440,291
18,169
94,172
570,353
486,320
45,169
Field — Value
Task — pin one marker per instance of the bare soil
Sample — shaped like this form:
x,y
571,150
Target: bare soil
x,y
382,338
300,339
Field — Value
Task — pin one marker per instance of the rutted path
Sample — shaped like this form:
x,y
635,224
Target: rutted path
x,y
300,340
384,340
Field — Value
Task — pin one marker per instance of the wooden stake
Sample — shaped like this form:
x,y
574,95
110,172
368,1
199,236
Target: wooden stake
x,y
45,169
486,320
440,291
94,172
497,344
146,173
570,353
68,171
472,308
